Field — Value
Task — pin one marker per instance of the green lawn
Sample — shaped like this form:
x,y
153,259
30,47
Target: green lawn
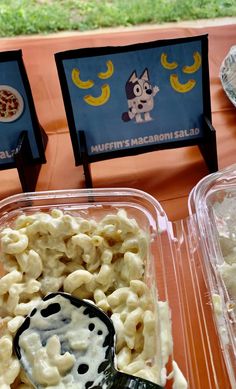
x,y
44,16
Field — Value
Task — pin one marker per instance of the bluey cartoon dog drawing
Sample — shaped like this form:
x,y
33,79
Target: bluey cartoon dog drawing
x,y
140,96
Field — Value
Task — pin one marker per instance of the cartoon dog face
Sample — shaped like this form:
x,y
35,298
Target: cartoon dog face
x,y
139,92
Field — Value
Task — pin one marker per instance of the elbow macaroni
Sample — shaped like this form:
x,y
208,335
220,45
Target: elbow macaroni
x,y
101,261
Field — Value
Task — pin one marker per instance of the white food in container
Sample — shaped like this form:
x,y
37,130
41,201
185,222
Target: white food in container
x,y
213,204
41,241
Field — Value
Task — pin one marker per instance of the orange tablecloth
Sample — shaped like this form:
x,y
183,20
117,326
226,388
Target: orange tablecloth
x,y
168,175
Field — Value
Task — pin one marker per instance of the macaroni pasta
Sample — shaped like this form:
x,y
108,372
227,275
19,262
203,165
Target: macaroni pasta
x,y
102,261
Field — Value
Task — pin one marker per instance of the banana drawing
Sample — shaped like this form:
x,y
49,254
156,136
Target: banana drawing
x,y
166,64
196,64
100,100
108,73
179,87
78,82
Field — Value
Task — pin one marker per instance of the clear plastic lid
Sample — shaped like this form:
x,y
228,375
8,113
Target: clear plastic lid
x,y
212,204
95,206
228,75
174,272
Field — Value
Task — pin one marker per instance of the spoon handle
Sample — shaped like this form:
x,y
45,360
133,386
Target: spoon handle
x,y
126,381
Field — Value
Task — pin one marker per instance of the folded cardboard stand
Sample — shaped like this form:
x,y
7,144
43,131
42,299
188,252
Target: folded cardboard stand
x,y
119,101
123,101
22,139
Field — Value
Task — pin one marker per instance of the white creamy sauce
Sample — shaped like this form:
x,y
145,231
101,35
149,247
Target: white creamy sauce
x,y
65,349
218,309
179,379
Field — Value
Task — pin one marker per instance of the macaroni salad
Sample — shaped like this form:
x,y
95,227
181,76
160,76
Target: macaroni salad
x,y
101,261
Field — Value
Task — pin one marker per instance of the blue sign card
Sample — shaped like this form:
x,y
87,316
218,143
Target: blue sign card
x,y
136,98
17,111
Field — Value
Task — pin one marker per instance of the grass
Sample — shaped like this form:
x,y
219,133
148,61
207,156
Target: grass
x,y
20,17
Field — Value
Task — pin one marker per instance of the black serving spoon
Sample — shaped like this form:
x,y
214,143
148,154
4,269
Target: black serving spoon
x,y
84,331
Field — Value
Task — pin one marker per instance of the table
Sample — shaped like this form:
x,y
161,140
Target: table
x,y
168,175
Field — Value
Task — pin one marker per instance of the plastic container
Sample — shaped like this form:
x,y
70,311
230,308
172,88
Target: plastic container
x,y
228,75
95,205
174,266
213,205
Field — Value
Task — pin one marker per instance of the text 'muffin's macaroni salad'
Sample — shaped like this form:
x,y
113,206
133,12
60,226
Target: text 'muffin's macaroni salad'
x,y
101,261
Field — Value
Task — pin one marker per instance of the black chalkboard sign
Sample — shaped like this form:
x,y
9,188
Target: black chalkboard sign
x,y
133,99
